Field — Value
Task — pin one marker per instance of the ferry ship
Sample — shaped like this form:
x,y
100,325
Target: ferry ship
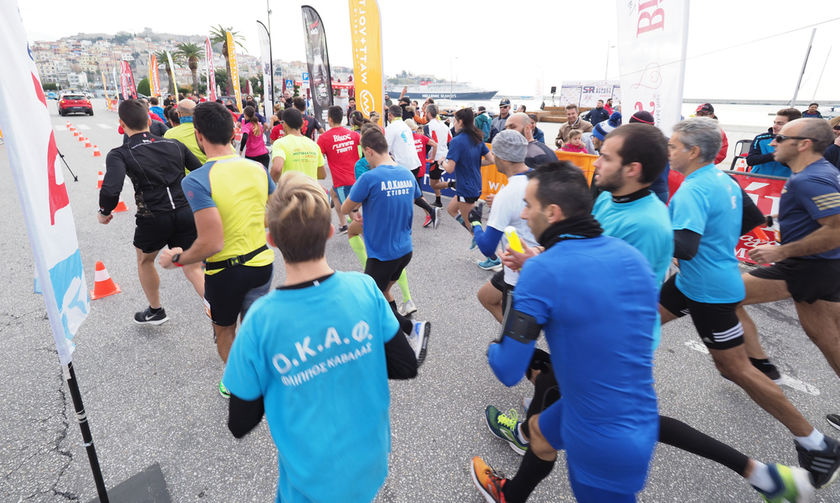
x,y
441,90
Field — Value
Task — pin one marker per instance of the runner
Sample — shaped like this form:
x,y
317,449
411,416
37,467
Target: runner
x,y
510,149
355,238
609,404
807,264
350,359
400,140
253,139
341,148
440,134
385,194
155,167
228,197
706,217
295,152
423,144
184,131
631,159
464,159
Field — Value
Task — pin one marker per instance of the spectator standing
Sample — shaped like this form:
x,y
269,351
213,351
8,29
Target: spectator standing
x,y
761,156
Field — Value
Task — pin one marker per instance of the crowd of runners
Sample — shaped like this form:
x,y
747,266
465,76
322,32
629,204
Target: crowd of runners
x,y
587,267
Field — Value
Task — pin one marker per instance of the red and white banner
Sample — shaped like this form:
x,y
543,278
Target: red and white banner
x,y
127,87
37,172
211,70
652,39
765,192
172,68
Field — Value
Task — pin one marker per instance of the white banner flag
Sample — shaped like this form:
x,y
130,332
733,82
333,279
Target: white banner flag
x,y
174,82
37,171
265,62
211,70
652,38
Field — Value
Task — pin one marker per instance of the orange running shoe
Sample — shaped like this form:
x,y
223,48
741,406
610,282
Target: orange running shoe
x,y
488,482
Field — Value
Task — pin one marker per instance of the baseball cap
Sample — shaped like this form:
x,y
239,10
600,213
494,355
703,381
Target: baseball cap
x,y
504,103
706,107
642,116
601,130
510,146
405,99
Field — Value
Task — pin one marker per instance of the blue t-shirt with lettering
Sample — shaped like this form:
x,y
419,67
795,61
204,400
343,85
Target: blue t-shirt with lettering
x,y
809,195
709,203
387,194
467,156
319,366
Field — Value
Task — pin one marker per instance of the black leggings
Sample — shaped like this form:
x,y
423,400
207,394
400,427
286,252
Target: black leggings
x,y
262,159
671,431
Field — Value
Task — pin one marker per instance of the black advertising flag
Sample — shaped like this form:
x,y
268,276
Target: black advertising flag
x,y
318,62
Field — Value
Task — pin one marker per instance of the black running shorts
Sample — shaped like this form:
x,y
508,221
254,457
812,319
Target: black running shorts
x,y
231,291
416,173
173,228
807,280
498,282
434,171
717,324
465,199
386,271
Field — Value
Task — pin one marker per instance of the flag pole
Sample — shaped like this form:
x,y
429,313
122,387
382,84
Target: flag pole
x,y
87,437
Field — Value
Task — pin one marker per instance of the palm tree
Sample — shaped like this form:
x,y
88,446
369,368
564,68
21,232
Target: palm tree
x,y
190,53
161,58
218,35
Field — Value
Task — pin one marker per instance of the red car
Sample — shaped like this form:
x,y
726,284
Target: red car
x,y
74,103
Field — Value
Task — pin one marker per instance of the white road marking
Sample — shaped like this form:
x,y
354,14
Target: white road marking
x,y
786,380
105,126
83,127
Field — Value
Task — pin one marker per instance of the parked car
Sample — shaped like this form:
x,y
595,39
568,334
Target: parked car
x,y
74,103
52,95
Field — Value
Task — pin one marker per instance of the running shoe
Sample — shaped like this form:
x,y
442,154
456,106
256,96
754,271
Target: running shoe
x,y
794,485
822,464
437,204
223,390
148,317
428,221
342,230
419,340
408,308
505,427
488,481
491,264
833,420
436,219
525,404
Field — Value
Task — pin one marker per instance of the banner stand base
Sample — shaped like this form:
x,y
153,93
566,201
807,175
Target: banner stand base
x,y
147,486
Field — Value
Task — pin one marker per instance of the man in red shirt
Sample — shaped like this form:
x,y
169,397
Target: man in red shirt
x,y
341,148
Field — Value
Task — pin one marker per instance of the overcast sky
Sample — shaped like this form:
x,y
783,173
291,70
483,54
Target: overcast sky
x,y
508,45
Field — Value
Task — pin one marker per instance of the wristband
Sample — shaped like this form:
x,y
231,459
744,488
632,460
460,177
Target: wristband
x,y
103,213
176,258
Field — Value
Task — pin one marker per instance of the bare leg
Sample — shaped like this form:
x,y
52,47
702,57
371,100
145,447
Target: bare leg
x,y
491,299
734,364
821,321
337,205
195,276
759,291
149,279
224,339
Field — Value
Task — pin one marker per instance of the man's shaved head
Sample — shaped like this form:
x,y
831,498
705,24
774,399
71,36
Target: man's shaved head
x,y
186,108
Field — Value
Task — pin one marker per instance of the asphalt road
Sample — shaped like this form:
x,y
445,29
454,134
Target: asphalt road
x,y
151,396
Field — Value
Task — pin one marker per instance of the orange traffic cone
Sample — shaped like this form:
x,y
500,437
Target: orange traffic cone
x,y
96,152
88,143
103,285
100,177
75,132
120,207
82,138
69,126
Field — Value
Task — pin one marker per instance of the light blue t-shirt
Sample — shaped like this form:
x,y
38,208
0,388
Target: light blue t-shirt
x,y
643,223
387,194
709,203
319,365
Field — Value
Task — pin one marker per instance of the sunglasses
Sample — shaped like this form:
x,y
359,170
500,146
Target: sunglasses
x,y
837,127
505,106
780,138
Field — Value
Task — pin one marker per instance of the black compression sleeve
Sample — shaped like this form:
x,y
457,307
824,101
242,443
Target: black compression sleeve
x,y
686,243
755,159
109,194
399,358
244,415
243,142
191,162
